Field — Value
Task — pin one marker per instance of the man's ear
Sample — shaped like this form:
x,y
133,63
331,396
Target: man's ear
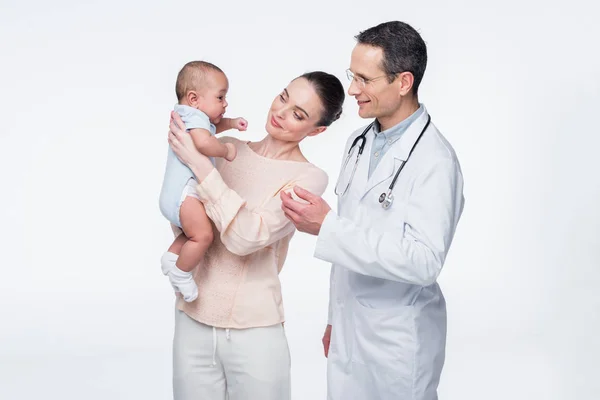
x,y
405,80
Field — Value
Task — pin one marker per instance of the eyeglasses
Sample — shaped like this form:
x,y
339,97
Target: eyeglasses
x,y
362,82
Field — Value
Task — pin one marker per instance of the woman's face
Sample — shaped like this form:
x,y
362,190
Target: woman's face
x,y
295,112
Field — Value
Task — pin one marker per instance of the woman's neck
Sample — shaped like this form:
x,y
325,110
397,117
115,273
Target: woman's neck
x,y
270,147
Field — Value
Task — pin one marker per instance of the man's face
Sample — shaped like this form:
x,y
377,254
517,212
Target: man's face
x,y
377,98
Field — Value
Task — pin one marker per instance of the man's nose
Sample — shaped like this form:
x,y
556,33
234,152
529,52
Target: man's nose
x,y
353,90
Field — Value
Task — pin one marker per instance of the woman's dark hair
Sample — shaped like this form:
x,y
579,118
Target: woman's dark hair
x,y
330,91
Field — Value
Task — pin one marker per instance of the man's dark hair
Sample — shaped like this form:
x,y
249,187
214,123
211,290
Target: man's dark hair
x,y
403,49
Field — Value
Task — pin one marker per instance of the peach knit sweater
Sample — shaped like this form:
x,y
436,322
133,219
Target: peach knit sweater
x,y
238,281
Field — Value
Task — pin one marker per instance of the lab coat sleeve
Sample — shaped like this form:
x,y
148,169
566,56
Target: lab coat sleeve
x,y
331,295
412,255
244,230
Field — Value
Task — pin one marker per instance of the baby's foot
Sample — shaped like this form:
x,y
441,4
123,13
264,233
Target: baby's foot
x,y
182,281
167,262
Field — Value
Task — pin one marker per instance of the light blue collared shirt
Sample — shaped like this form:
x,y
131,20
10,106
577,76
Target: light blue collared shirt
x,y
384,140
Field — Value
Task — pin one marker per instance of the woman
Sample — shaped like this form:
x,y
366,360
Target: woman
x,y
230,341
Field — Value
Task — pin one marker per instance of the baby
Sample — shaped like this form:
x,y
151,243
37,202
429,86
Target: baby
x,y
201,88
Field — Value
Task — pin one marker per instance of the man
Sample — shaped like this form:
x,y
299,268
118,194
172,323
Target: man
x,y
386,331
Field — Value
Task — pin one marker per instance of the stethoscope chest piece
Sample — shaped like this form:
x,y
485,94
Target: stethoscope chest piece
x,y
386,199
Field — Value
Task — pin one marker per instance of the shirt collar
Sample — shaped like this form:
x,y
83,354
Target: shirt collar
x,y
397,130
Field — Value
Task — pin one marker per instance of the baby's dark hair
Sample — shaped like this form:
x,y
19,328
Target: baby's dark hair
x,y
330,91
191,77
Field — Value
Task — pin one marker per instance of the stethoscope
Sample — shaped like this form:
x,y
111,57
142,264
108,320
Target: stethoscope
x,y
386,199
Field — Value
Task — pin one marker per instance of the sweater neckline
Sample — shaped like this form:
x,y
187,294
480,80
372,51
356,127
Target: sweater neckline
x,y
255,154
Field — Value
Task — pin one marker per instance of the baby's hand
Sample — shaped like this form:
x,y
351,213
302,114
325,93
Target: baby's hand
x,y
240,124
231,152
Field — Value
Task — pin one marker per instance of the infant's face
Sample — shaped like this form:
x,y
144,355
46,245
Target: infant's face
x,y
212,99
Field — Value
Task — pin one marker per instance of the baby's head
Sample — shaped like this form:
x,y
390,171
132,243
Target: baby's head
x,y
204,86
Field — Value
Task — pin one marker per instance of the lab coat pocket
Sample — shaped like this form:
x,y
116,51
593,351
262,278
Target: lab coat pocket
x,y
385,343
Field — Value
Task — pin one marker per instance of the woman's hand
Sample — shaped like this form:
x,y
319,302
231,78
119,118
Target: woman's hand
x,y
183,147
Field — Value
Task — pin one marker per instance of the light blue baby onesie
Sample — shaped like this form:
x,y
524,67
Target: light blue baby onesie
x,y
176,173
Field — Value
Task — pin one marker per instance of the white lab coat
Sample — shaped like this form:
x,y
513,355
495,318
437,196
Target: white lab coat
x,y
387,312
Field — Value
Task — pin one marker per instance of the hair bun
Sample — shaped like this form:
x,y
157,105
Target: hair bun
x,y
331,93
337,115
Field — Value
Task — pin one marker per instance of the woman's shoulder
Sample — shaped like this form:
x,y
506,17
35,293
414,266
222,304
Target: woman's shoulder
x,y
298,170
313,178
230,139
307,170
315,171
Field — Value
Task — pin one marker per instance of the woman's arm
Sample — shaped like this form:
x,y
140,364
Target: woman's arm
x,y
243,231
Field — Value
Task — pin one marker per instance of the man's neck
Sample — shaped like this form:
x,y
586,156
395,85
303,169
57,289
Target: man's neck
x,y
406,109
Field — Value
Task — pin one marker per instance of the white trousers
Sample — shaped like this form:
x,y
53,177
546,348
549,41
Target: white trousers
x,y
234,364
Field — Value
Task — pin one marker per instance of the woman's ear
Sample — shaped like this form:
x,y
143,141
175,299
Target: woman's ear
x,y
317,130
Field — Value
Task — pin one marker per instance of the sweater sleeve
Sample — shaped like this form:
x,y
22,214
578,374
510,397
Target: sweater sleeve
x,y
244,230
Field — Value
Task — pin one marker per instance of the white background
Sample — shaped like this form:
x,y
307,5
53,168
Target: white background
x,y
85,93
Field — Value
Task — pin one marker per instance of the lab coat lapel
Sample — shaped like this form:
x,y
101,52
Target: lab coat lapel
x,y
396,155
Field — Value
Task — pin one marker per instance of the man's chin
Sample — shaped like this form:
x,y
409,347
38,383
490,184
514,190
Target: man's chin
x,y
363,113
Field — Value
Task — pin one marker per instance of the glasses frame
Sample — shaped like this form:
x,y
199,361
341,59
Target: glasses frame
x,y
363,82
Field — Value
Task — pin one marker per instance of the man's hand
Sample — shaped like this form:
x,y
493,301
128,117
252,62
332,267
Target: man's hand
x,y
308,217
326,340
